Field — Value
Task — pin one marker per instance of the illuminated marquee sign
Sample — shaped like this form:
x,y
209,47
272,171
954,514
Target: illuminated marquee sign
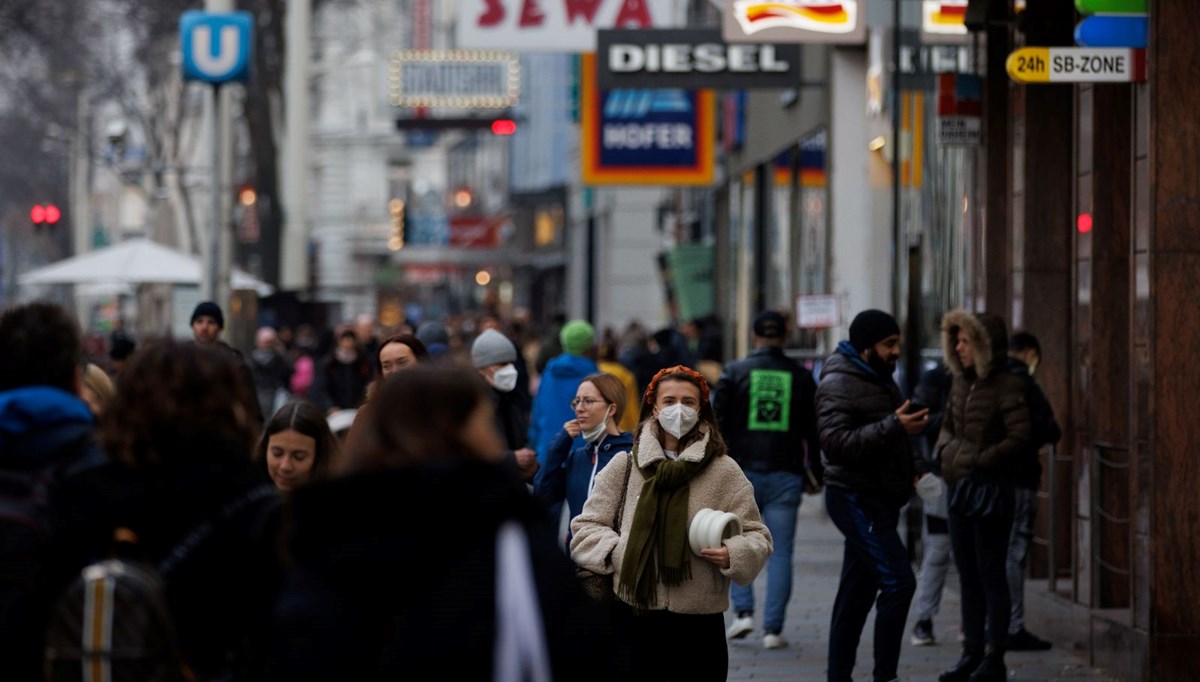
x,y
794,21
455,79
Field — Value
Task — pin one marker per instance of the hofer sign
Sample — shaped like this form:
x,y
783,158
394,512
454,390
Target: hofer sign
x,y
556,25
645,137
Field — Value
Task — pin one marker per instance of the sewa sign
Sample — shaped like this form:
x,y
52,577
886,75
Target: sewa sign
x,y
555,25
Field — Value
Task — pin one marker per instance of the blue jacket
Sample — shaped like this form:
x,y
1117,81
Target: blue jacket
x,y
45,437
552,406
41,426
568,470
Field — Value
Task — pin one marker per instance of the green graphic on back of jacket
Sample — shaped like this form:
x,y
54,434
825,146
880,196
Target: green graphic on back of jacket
x,y
770,400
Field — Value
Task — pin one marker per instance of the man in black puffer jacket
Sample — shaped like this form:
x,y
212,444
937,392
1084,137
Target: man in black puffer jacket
x,y
864,428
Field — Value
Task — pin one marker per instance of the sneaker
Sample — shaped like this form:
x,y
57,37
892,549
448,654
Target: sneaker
x,y
922,634
742,626
1024,640
773,640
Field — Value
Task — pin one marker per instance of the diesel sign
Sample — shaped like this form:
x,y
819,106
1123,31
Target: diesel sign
x,y
646,58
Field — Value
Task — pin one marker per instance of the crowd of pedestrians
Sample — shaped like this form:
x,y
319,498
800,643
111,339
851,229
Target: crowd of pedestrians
x,y
373,506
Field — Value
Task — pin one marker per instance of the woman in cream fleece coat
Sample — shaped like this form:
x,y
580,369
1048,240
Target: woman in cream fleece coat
x,y
669,622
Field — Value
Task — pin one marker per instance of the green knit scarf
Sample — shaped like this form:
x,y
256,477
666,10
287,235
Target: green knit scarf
x,y
658,536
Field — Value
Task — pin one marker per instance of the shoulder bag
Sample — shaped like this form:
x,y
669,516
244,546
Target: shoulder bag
x,y
599,586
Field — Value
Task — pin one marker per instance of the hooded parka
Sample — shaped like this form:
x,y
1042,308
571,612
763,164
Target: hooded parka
x,y
986,426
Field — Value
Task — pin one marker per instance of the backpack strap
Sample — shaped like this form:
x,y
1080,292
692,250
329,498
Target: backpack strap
x,y
202,532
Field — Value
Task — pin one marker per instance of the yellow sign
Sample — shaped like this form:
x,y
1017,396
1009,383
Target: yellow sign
x,y
1029,65
1077,65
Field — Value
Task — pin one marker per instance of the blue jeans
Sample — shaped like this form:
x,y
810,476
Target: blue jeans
x,y
875,570
778,495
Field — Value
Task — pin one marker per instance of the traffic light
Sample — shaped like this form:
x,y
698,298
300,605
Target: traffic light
x,y
45,215
504,126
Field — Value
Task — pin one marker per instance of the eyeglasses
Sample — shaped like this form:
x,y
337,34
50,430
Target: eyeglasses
x,y
586,402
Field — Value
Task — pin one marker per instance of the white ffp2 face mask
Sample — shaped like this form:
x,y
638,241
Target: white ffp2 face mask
x,y
505,378
678,419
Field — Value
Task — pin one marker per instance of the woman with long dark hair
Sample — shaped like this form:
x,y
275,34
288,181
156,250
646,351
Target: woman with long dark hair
x,y
297,446
425,556
672,593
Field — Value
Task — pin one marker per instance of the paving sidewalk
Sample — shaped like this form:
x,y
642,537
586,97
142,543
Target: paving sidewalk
x,y
818,562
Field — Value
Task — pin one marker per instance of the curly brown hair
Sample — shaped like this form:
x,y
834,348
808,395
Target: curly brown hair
x,y
172,391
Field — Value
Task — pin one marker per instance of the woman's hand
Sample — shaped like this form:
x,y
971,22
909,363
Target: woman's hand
x,y
572,428
718,557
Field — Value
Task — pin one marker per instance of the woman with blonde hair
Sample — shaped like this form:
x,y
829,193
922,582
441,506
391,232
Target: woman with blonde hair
x,y
97,389
636,525
569,473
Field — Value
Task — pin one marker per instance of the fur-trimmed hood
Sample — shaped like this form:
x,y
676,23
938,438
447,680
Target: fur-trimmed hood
x,y
989,337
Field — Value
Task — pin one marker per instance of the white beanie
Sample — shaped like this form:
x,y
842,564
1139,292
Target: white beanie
x,y
492,348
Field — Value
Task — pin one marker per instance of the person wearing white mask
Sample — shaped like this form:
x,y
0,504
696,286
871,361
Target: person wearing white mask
x,y
570,472
494,356
635,525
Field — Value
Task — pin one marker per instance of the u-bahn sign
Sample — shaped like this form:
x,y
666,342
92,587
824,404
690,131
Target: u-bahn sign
x,y
216,46
683,58
1037,65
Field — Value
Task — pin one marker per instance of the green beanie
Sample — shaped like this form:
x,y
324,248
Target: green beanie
x,y
577,337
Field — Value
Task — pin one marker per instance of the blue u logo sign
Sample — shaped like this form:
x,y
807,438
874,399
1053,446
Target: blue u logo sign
x,y
216,46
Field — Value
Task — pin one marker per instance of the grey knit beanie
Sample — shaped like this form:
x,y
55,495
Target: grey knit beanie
x,y
492,348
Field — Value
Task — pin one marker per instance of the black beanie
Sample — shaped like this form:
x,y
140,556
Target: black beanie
x,y
870,327
211,310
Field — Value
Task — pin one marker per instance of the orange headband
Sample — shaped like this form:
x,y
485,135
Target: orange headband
x,y
677,369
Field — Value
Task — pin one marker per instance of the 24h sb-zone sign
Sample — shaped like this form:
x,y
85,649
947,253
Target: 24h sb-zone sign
x,y
1035,65
555,25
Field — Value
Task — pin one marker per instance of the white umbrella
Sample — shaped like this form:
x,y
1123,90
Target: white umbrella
x,y
135,261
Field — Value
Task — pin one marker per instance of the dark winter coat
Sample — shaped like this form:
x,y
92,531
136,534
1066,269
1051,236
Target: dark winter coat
x,y
342,385
986,428
766,411
395,578
271,372
1044,429
45,435
865,448
220,593
932,392
511,423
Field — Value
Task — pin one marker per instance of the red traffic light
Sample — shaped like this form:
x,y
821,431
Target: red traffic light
x,y
48,214
504,126
1084,223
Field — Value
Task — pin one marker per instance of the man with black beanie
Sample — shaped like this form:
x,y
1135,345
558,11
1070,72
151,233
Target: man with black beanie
x,y
207,324
864,428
